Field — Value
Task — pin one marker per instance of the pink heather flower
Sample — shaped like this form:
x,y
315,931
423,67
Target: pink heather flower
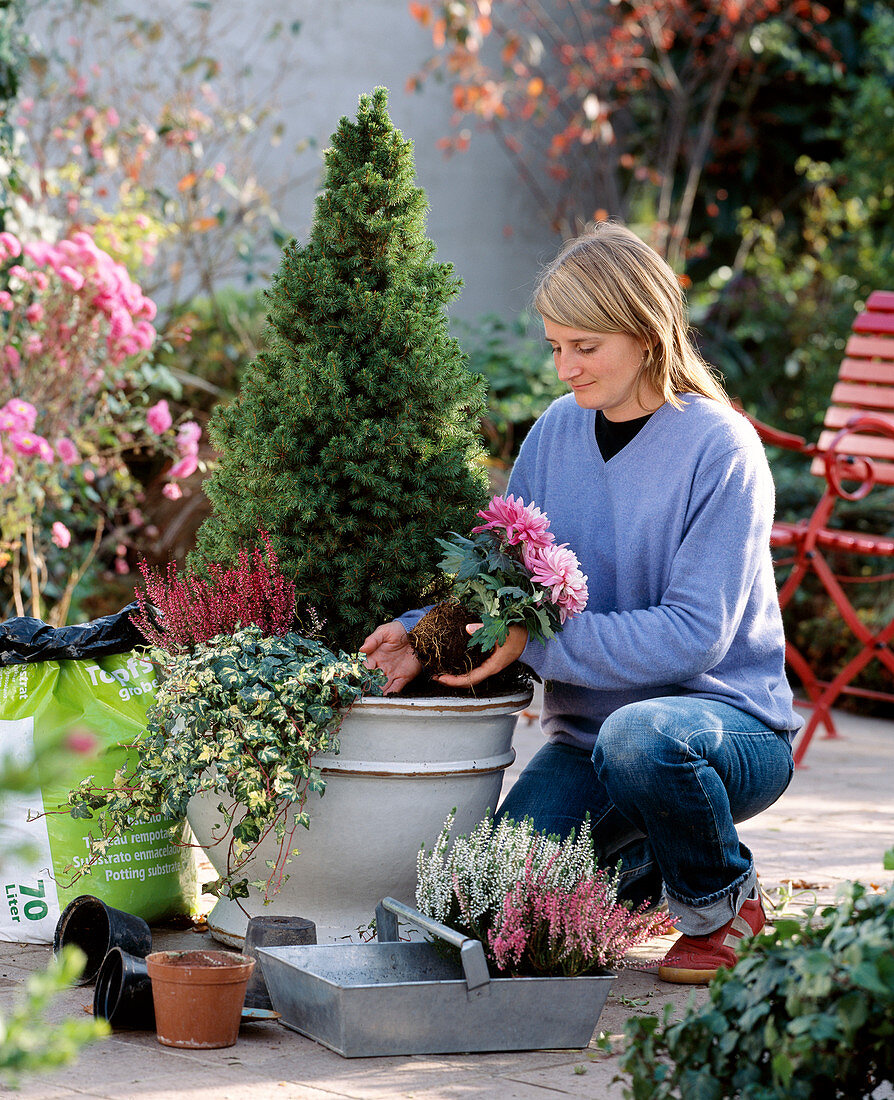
x,y
67,451
40,280
159,418
185,467
68,275
172,491
557,568
23,412
10,246
61,535
121,566
522,523
7,469
34,313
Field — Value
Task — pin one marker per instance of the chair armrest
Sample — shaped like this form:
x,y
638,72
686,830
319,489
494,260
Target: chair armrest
x,y
776,437
839,465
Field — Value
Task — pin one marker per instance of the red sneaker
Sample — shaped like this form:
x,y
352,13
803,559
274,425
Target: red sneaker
x,y
694,960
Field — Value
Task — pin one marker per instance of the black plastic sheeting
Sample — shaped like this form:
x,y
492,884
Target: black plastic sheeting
x,y
26,641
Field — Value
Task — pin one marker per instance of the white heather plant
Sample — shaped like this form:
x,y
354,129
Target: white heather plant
x,y
482,868
539,905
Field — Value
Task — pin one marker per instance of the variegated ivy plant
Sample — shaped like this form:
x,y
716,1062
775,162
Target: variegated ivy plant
x,y
242,715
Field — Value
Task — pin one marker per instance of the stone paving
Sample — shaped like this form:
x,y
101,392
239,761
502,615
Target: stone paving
x,y
833,824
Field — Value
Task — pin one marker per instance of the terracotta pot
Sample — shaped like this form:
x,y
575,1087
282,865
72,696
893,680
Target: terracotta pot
x,y
198,997
405,763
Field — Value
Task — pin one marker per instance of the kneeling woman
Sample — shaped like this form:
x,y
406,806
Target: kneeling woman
x,y
666,709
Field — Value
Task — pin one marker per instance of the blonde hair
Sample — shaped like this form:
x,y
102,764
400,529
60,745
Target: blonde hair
x,y
610,281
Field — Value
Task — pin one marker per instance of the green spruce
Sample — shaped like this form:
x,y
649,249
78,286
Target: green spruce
x,y
354,438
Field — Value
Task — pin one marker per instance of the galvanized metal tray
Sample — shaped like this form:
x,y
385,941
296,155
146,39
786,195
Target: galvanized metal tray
x,y
395,997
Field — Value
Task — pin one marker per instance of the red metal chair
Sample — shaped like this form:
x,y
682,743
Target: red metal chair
x,y
855,454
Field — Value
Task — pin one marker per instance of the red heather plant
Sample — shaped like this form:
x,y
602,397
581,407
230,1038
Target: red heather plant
x,y
193,609
544,929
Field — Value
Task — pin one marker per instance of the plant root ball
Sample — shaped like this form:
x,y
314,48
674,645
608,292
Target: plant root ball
x,y
441,642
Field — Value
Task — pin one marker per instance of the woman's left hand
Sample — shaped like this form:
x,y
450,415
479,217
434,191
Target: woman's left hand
x,y
501,658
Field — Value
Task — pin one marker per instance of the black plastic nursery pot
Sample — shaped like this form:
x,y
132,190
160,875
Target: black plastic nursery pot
x,y
123,993
272,931
88,923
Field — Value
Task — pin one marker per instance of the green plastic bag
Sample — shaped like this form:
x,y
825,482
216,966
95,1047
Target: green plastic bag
x,y
56,709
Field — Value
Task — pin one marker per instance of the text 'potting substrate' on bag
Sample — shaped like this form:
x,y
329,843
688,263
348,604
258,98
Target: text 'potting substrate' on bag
x,y
77,718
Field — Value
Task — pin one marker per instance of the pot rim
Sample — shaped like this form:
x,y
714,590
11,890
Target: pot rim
x,y
460,704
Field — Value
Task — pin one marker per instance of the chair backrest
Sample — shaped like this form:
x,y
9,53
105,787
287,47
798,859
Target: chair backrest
x,y
866,385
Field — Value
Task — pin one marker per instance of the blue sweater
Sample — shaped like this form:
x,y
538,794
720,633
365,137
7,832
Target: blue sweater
x,y
673,533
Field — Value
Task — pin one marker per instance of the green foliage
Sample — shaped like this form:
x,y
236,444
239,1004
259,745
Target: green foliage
x,y
520,374
806,1014
492,581
12,58
242,716
28,1040
353,440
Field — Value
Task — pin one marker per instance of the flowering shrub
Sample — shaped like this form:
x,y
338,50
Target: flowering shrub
x,y
539,905
77,332
512,571
194,610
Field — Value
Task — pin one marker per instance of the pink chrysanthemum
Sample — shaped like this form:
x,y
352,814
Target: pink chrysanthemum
x,y
522,523
557,568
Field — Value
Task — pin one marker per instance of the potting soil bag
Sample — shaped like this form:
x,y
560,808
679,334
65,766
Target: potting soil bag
x,y
58,709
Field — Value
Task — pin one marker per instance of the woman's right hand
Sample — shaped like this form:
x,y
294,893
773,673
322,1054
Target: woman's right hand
x,y
389,648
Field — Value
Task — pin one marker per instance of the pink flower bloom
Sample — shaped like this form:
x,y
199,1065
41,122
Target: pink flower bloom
x,y
112,117
8,422
10,246
522,523
121,565
67,451
81,741
185,467
74,278
45,452
6,301
188,436
61,535
7,469
34,313
13,358
172,491
557,568
24,413
159,418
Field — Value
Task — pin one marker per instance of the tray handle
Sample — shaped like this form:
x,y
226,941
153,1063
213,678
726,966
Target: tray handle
x,y
471,952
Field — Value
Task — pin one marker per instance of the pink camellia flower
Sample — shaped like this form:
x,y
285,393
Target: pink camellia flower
x,y
172,491
7,469
24,413
557,568
159,418
185,467
61,535
67,451
522,523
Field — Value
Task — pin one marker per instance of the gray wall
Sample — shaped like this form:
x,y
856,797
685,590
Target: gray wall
x,y
348,47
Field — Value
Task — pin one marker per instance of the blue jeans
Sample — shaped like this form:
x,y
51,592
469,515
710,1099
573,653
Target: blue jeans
x,y
669,778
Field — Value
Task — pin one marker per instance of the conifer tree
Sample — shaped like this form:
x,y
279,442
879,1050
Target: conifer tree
x,y
354,438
